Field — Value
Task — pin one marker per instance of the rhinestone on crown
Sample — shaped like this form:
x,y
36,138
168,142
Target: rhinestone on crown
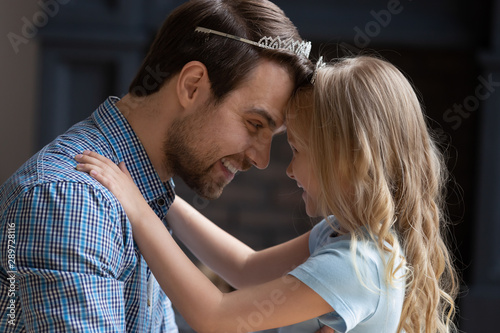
x,y
300,48
319,64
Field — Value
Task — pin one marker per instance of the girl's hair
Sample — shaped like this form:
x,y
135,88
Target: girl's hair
x,y
379,170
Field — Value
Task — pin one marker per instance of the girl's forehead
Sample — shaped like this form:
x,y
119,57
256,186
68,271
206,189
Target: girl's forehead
x,y
298,114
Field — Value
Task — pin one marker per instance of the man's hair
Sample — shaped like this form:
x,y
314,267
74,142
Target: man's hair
x,y
228,62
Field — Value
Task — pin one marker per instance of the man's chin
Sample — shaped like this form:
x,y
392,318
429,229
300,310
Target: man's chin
x,y
209,195
205,187
209,192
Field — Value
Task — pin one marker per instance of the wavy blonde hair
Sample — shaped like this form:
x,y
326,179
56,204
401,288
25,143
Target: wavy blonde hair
x,y
379,168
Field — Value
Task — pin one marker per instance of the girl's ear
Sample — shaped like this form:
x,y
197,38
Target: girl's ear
x,y
193,84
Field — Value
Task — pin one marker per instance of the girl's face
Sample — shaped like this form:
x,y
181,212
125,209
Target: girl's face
x,y
301,171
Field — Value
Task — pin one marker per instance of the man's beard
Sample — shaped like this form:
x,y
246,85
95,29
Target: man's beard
x,y
184,160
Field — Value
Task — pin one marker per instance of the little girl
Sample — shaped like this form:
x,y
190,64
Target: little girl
x,y
364,158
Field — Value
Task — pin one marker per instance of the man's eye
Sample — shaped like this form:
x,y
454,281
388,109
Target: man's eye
x,y
255,124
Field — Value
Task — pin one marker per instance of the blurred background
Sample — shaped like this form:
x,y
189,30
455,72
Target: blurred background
x,y
61,58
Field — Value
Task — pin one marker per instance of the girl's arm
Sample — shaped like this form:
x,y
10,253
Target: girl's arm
x,y
230,258
279,302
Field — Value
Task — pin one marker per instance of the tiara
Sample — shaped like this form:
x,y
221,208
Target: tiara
x,y
300,48
319,64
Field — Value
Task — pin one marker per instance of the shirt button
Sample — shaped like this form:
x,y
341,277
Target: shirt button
x,y
149,302
161,202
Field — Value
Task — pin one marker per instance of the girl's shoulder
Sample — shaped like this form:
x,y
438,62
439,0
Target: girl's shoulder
x,y
349,275
324,238
326,233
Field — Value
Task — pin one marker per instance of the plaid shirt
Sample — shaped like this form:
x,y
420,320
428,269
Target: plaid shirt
x,y
68,262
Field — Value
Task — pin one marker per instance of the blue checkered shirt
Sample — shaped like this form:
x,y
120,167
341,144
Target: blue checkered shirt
x,y
68,262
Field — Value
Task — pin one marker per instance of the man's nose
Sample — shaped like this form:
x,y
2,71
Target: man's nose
x,y
259,153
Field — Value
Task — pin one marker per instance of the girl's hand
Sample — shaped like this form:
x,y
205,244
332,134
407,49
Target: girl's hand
x,y
115,178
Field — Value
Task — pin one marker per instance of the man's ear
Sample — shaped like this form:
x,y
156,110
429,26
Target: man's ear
x,y
193,84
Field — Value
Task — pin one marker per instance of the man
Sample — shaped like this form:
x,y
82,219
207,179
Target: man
x,y
205,104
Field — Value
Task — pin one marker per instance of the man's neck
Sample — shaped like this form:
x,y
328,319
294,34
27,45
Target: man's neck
x,y
150,122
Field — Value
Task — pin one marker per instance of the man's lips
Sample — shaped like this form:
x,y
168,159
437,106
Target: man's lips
x,y
229,166
228,169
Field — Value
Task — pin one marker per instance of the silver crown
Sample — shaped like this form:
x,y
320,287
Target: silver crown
x,y
300,48
319,64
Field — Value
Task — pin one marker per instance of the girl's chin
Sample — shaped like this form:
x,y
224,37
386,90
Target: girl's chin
x,y
311,208
312,214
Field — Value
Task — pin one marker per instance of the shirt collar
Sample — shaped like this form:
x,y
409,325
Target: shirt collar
x,y
129,149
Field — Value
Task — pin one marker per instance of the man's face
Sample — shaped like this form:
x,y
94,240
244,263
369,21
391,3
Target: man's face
x,y
208,147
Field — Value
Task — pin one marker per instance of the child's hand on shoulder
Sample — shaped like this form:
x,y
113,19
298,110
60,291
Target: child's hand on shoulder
x,y
115,178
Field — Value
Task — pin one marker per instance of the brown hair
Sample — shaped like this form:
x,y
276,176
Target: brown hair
x,y
228,61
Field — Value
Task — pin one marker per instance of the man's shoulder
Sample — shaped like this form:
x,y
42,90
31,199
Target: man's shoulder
x,y
55,162
54,167
60,188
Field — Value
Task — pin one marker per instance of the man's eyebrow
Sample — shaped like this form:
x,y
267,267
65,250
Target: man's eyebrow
x,y
265,114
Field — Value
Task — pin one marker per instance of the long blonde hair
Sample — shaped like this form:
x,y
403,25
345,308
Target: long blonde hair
x,y
380,170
